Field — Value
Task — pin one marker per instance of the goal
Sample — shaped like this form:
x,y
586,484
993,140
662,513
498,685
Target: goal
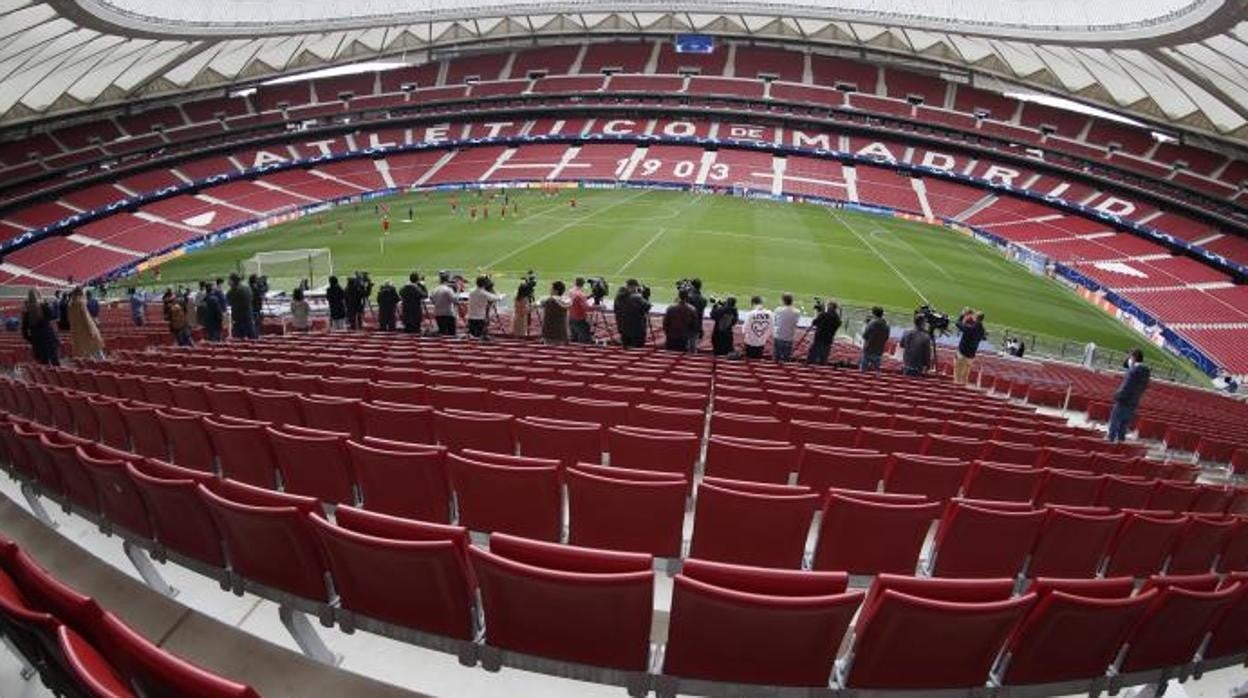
x,y
287,268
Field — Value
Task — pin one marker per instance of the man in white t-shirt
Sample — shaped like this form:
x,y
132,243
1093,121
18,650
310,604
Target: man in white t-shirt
x,y
786,327
479,301
757,329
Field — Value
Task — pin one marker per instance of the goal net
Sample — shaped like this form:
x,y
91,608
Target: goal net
x,y
287,268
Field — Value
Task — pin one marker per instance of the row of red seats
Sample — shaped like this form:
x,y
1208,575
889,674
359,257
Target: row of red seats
x,y
79,648
594,607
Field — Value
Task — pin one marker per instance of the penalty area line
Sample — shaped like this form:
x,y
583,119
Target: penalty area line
x,y
641,251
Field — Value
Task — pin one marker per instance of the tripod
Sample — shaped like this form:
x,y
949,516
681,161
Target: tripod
x,y
598,319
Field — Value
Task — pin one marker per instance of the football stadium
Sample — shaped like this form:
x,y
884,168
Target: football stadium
x,y
395,348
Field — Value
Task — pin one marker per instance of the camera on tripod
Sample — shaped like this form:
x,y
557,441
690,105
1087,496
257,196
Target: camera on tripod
x,y
931,321
528,286
598,289
819,305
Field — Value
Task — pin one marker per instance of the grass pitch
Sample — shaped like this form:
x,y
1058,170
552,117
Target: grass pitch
x,y
737,246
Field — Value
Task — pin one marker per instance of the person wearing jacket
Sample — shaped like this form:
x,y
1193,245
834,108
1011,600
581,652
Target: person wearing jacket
x,y
337,299
723,322
1127,397
84,334
874,337
39,329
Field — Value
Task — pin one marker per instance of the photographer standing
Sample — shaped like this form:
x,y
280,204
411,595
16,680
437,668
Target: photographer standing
x,y
337,300
786,328
355,302
520,309
1127,397
874,337
698,302
916,345
387,307
239,299
413,297
724,320
971,324
633,315
578,313
479,302
678,323
444,305
555,315
825,324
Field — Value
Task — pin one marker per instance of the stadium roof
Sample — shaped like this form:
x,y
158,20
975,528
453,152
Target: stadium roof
x,y
1182,63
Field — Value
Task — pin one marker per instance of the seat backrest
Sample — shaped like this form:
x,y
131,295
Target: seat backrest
x,y
60,471
908,642
88,670
952,446
750,460
803,432
444,397
742,523
678,419
651,449
340,414
1001,482
398,422
1174,625
864,418
270,545
601,618
277,407
188,440
313,465
889,440
400,571
1007,452
1072,544
86,424
1230,635
977,541
1069,488
608,413
482,431
820,467
410,394
1122,492
569,442
409,481
622,509
521,500
179,518
119,499
229,400
1172,496
1199,544
933,477
523,404
243,451
749,426
1212,499
356,388
147,438
1234,557
113,429
1142,543
1066,459
868,533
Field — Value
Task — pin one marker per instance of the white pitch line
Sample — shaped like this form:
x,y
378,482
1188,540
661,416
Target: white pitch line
x,y
877,254
640,251
894,234
561,228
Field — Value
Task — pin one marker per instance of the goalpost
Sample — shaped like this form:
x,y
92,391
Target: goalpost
x,y
287,268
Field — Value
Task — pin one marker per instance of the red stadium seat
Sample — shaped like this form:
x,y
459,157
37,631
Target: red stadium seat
x,y
86,424
889,440
146,436
300,383
821,467
399,571
64,474
1122,492
445,397
356,388
1073,632
277,407
1199,543
679,419
864,418
1230,635
1212,499
179,517
337,414
120,502
1072,544
629,510
1234,557
113,429
1003,452
572,604
568,442
1172,496
313,463
751,523
191,396
608,413
269,538
401,479
188,440
933,477
398,422
229,400
1000,482
1142,543
1174,625
523,404
952,446
244,452
749,426
409,394
480,431
753,460
870,533
820,433
789,623
521,498
88,669
652,449
1066,459
976,540
1068,488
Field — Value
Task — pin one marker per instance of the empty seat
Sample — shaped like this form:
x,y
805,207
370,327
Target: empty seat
x,y
864,418
788,623
967,448
523,404
1142,543
520,497
652,449
88,670
1230,635
337,414
568,442
444,397
752,523
1068,488
873,533
1174,625
86,424
113,429
480,431
313,463
567,603
120,502
734,458
147,438
244,452
622,509
1072,543
409,573
749,426
931,476
1122,492
820,467
889,440
1001,482
269,538
821,433
398,422
1066,459
188,440
976,539
1234,557
608,413
229,400
1172,496
191,396
681,419
277,407
410,394
1073,632
1005,452
400,479
356,388
179,517
1199,543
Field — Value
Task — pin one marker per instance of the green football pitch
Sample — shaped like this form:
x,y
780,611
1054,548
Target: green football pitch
x,y
737,246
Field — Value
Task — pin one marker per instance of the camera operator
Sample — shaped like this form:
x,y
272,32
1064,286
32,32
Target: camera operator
x,y
480,300
874,337
724,320
632,314
786,327
678,322
578,313
413,297
355,302
444,305
239,300
971,325
916,345
555,315
337,299
259,286
825,324
698,302
387,307
1127,397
